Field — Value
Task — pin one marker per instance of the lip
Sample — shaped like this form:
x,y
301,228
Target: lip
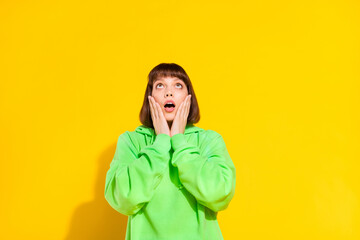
x,y
169,109
169,101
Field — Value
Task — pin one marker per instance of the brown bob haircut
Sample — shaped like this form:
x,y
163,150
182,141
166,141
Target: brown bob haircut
x,y
168,70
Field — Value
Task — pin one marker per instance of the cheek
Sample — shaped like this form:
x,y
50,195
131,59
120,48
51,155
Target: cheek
x,y
184,97
155,96
156,100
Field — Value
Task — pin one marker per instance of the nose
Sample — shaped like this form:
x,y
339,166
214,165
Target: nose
x,y
168,95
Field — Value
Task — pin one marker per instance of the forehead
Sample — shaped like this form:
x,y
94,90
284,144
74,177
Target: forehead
x,y
167,79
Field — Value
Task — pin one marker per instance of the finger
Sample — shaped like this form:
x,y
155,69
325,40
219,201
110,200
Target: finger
x,y
155,119
155,109
182,108
188,107
160,112
188,102
177,114
151,108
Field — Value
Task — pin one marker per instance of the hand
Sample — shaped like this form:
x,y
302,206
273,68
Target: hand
x,y
180,120
159,122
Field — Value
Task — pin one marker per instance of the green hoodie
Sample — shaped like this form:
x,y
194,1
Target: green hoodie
x,y
171,187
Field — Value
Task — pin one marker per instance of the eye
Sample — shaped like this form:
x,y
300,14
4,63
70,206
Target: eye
x,y
178,84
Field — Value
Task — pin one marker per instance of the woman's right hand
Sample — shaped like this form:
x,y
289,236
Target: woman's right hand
x,y
158,118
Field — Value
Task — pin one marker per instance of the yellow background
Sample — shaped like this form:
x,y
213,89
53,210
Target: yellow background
x,y
279,80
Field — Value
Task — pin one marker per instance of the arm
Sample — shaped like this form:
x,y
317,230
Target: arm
x,y
208,175
134,175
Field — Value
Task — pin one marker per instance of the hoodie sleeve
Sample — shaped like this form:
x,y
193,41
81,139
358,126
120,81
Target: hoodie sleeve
x,y
134,175
207,173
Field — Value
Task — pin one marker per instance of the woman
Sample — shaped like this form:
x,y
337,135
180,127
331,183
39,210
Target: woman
x,y
169,176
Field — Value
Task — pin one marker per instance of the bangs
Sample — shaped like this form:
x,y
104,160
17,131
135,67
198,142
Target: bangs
x,y
162,74
168,70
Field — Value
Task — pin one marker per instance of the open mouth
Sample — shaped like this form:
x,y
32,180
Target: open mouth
x,y
169,107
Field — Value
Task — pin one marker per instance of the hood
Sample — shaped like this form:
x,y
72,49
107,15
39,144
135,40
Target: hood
x,y
190,128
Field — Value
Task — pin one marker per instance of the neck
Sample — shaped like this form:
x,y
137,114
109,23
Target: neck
x,y
170,124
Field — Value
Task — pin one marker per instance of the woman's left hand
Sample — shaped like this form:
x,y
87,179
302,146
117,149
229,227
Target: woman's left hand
x,y
180,119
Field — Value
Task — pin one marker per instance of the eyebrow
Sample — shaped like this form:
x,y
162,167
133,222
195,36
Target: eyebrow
x,y
163,80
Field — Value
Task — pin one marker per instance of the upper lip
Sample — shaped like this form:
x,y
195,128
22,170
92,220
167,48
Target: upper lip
x,y
169,101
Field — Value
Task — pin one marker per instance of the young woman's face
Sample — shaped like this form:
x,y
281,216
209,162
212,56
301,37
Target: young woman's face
x,y
169,88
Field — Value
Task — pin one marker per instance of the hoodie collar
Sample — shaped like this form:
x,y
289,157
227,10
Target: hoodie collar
x,y
190,128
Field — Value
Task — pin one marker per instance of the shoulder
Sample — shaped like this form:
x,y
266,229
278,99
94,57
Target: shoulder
x,y
212,133
211,137
209,133
133,138
139,130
